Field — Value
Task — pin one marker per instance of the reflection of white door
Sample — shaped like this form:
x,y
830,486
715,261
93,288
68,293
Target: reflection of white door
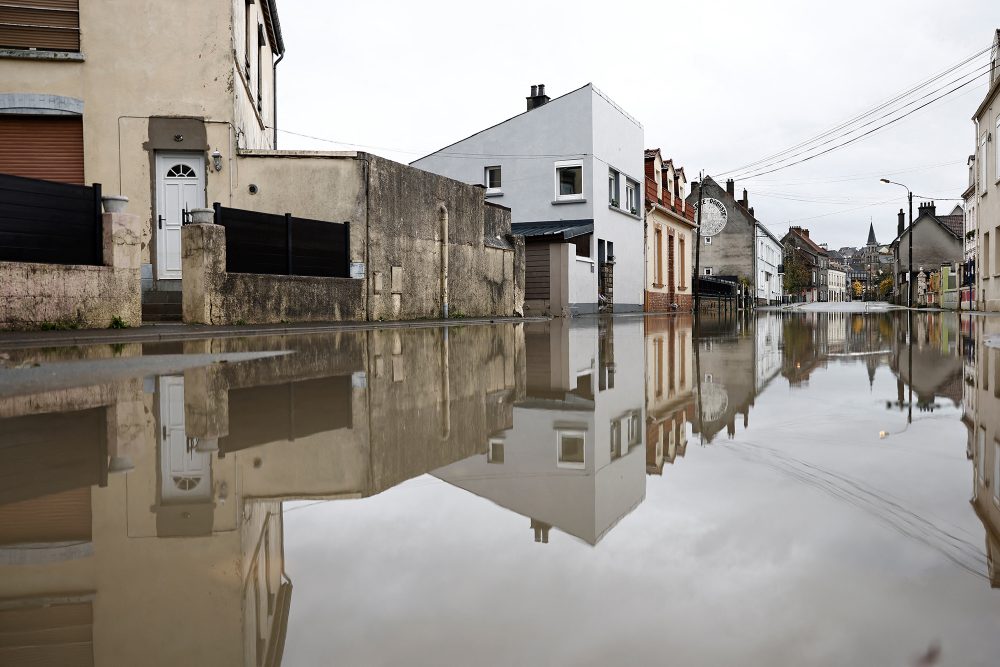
x,y
185,474
180,187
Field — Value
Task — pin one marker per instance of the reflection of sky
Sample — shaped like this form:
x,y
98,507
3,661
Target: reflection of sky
x,y
738,555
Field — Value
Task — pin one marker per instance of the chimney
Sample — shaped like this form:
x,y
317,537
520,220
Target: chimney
x,y
804,232
537,97
751,212
901,225
731,188
927,207
746,201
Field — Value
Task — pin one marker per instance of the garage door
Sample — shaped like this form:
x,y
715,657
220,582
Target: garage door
x,y
48,147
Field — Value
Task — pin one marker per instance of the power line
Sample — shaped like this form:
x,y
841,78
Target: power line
x,y
865,134
743,175
861,116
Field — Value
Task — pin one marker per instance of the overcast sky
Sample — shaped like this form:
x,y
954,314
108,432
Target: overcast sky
x,y
716,86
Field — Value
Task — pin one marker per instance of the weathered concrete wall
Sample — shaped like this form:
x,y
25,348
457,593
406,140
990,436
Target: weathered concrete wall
x,y
406,253
214,296
34,295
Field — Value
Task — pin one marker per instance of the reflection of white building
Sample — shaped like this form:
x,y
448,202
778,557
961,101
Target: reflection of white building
x,y
573,459
767,345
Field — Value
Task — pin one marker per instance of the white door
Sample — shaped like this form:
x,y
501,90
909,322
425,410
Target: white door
x,y
180,187
185,474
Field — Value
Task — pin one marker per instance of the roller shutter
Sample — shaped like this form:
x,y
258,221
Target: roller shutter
x,y
47,147
46,25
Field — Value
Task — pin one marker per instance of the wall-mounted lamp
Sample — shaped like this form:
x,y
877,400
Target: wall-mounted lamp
x,y
178,138
217,160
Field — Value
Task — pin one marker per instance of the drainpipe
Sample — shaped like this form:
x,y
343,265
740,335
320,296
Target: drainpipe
x,y
443,217
274,94
445,386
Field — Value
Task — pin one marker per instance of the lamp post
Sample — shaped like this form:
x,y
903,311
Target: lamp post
x,y
909,272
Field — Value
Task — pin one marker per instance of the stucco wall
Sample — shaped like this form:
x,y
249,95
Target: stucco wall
x,y
730,252
69,295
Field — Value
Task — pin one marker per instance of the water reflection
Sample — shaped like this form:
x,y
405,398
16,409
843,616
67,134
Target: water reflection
x,y
142,518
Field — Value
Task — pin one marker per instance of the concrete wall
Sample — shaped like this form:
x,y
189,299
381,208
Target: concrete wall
x,y
406,254
932,247
67,295
731,251
213,296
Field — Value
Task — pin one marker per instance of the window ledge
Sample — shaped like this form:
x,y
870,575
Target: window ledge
x,y
579,200
494,193
588,260
617,209
658,285
34,54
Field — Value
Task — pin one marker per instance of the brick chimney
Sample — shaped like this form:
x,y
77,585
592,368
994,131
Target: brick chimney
x,y
731,188
901,224
927,207
537,97
745,201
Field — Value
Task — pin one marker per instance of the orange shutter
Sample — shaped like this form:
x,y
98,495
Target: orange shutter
x,y
47,147
48,25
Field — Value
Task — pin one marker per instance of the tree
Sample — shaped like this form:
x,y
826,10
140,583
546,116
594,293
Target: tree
x,y
858,288
798,276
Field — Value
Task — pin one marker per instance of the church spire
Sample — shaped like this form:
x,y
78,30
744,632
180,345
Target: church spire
x,y
871,234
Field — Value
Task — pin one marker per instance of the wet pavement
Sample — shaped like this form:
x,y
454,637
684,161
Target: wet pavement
x,y
541,493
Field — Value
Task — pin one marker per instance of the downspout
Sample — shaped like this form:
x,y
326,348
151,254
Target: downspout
x,y
274,101
443,217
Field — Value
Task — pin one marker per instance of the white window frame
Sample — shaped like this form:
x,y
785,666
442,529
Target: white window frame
x,y
614,187
982,166
708,270
570,433
486,179
996,153
631,196
708,240
490,453
563,164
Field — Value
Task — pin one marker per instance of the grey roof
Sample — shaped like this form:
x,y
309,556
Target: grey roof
x,y
565,229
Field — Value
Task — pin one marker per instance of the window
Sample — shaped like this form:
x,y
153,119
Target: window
x,y
996,137
495,453
611,251
261,43
683,271
492,179
982,164
570,451
708,240
44,26
986,255
996,471
569,180
616,439
658,255
708,270
613,178
582,245
248,39
981,456
631,204
634,429
996,248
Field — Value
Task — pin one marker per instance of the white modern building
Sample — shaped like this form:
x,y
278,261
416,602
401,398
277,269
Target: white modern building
x,y
571,171
769,258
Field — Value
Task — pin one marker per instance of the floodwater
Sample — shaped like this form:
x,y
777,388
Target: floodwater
x,y
545,493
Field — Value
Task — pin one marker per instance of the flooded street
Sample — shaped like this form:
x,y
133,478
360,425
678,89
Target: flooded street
x,y
801,489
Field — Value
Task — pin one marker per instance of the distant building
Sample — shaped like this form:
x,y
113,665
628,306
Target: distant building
x,y
570,169
968,274
734,244
802,252
837,288
669,229
937,240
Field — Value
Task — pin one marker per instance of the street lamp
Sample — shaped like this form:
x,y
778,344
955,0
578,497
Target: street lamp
x,y
909,274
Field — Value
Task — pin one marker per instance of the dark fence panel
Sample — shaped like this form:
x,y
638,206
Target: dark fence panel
x,y
283,244
52,223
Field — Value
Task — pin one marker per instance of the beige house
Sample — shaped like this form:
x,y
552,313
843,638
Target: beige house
x,y
669,228
176,110
670,389
986,199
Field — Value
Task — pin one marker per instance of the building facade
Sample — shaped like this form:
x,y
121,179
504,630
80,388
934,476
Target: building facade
x,y
837,288
806,266
968,273
571,171
734,245
670,236
987,209
937,241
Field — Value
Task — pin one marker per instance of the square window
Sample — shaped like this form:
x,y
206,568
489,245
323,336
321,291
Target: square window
x,y
569,180
571,449
495,452
616,439
708,270
634,429
708,240
613,179
492,179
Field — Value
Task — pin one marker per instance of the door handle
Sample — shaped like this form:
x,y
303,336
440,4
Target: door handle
x,y
159,222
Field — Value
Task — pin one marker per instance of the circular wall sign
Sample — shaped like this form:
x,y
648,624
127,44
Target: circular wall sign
x,y
713,218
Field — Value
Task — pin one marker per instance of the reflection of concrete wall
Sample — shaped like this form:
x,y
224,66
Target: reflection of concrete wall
x,y
983,425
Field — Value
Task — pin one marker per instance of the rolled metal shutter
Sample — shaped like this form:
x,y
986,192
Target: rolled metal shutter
x,y
48,25
47,147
